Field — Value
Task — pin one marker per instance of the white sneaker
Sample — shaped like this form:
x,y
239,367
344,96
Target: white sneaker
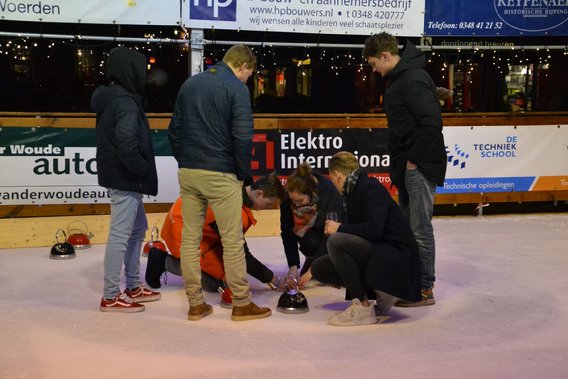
x,y
355,314
384,302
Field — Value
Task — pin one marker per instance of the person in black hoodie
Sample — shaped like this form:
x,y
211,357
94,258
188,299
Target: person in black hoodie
x,y
415,140
372,251
126,167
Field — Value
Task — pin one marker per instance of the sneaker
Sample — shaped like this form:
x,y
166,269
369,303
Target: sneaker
x,y
155,267
427,299
120,303
249,312
355,314
142,294
226,297
197,312
384,302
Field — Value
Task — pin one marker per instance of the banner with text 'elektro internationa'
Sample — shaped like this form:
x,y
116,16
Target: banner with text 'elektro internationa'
x,y
506,158
359,17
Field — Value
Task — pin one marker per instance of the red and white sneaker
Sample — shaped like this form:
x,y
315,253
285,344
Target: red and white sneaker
x,y
121,303
142,294
226,297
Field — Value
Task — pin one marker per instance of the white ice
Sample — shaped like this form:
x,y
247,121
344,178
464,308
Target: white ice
x,y
501,312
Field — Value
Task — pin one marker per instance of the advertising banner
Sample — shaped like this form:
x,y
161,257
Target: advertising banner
x,y
506,158
359,17
496,18
58,166
282,151
134,12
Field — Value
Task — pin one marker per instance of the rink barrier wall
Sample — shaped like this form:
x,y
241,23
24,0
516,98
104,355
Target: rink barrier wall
x,y
35,225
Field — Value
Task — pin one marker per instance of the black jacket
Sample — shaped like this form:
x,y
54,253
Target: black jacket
x,y
212,124
394,263
314,242
125,155
414,119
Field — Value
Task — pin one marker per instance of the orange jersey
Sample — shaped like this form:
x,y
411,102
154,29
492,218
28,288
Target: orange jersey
x,y
211,247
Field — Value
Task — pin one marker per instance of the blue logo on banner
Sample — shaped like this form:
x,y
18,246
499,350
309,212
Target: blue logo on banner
x,y
457,157
216,10
530,15
478,185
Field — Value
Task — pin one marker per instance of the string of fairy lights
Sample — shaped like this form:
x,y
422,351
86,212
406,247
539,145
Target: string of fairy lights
x,y
337,60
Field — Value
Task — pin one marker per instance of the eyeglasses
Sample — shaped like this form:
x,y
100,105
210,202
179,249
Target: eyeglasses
x,y
300,201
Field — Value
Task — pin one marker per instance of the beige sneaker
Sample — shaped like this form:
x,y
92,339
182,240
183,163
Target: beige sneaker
x,y
355,314
249,312
197,312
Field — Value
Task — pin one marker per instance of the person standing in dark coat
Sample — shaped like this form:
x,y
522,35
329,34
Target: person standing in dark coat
x,y
127,168
372,248
211,138
415,140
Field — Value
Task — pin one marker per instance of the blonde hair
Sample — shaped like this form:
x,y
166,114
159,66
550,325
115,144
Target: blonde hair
x,y
344,162
238,55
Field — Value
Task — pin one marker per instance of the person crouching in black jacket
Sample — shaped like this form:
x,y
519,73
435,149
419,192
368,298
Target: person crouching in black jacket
x,y
372,251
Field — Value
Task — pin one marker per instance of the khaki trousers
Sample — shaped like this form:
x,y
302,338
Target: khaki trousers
x,y
223,192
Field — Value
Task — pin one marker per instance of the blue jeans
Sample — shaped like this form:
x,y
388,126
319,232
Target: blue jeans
x,y
128,226
416,199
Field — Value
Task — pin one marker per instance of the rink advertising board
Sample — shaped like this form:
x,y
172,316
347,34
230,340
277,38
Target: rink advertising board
x,y
57,166
506,158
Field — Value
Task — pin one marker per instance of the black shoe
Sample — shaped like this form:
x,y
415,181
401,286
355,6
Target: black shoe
x,y
155,267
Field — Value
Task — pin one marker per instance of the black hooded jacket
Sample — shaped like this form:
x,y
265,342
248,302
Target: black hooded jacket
x,y
125,155
414,119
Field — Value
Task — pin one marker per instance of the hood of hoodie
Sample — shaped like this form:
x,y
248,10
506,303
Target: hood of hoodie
x,y
127,68
127,71
411,58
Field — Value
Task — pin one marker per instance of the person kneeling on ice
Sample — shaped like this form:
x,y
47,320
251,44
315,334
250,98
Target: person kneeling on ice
x,y
372,252
259,195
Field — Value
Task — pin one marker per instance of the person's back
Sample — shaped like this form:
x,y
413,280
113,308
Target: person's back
x,y
210,135
126,167
214,107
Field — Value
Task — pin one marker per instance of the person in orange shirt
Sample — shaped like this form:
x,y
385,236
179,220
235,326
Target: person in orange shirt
x,y
259,195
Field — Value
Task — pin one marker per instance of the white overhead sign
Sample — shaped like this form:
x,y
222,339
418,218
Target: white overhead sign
x,y
135,12
360,17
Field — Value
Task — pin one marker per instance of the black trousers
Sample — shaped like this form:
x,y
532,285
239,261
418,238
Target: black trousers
x,y
345,263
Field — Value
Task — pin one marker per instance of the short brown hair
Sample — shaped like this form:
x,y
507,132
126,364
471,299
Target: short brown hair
x,y
379,43
344,162
238,55
302,181
270,185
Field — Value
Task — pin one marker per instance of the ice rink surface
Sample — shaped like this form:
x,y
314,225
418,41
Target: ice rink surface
x,y
501,312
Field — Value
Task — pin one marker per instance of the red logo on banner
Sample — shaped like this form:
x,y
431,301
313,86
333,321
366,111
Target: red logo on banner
x,y
260,144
